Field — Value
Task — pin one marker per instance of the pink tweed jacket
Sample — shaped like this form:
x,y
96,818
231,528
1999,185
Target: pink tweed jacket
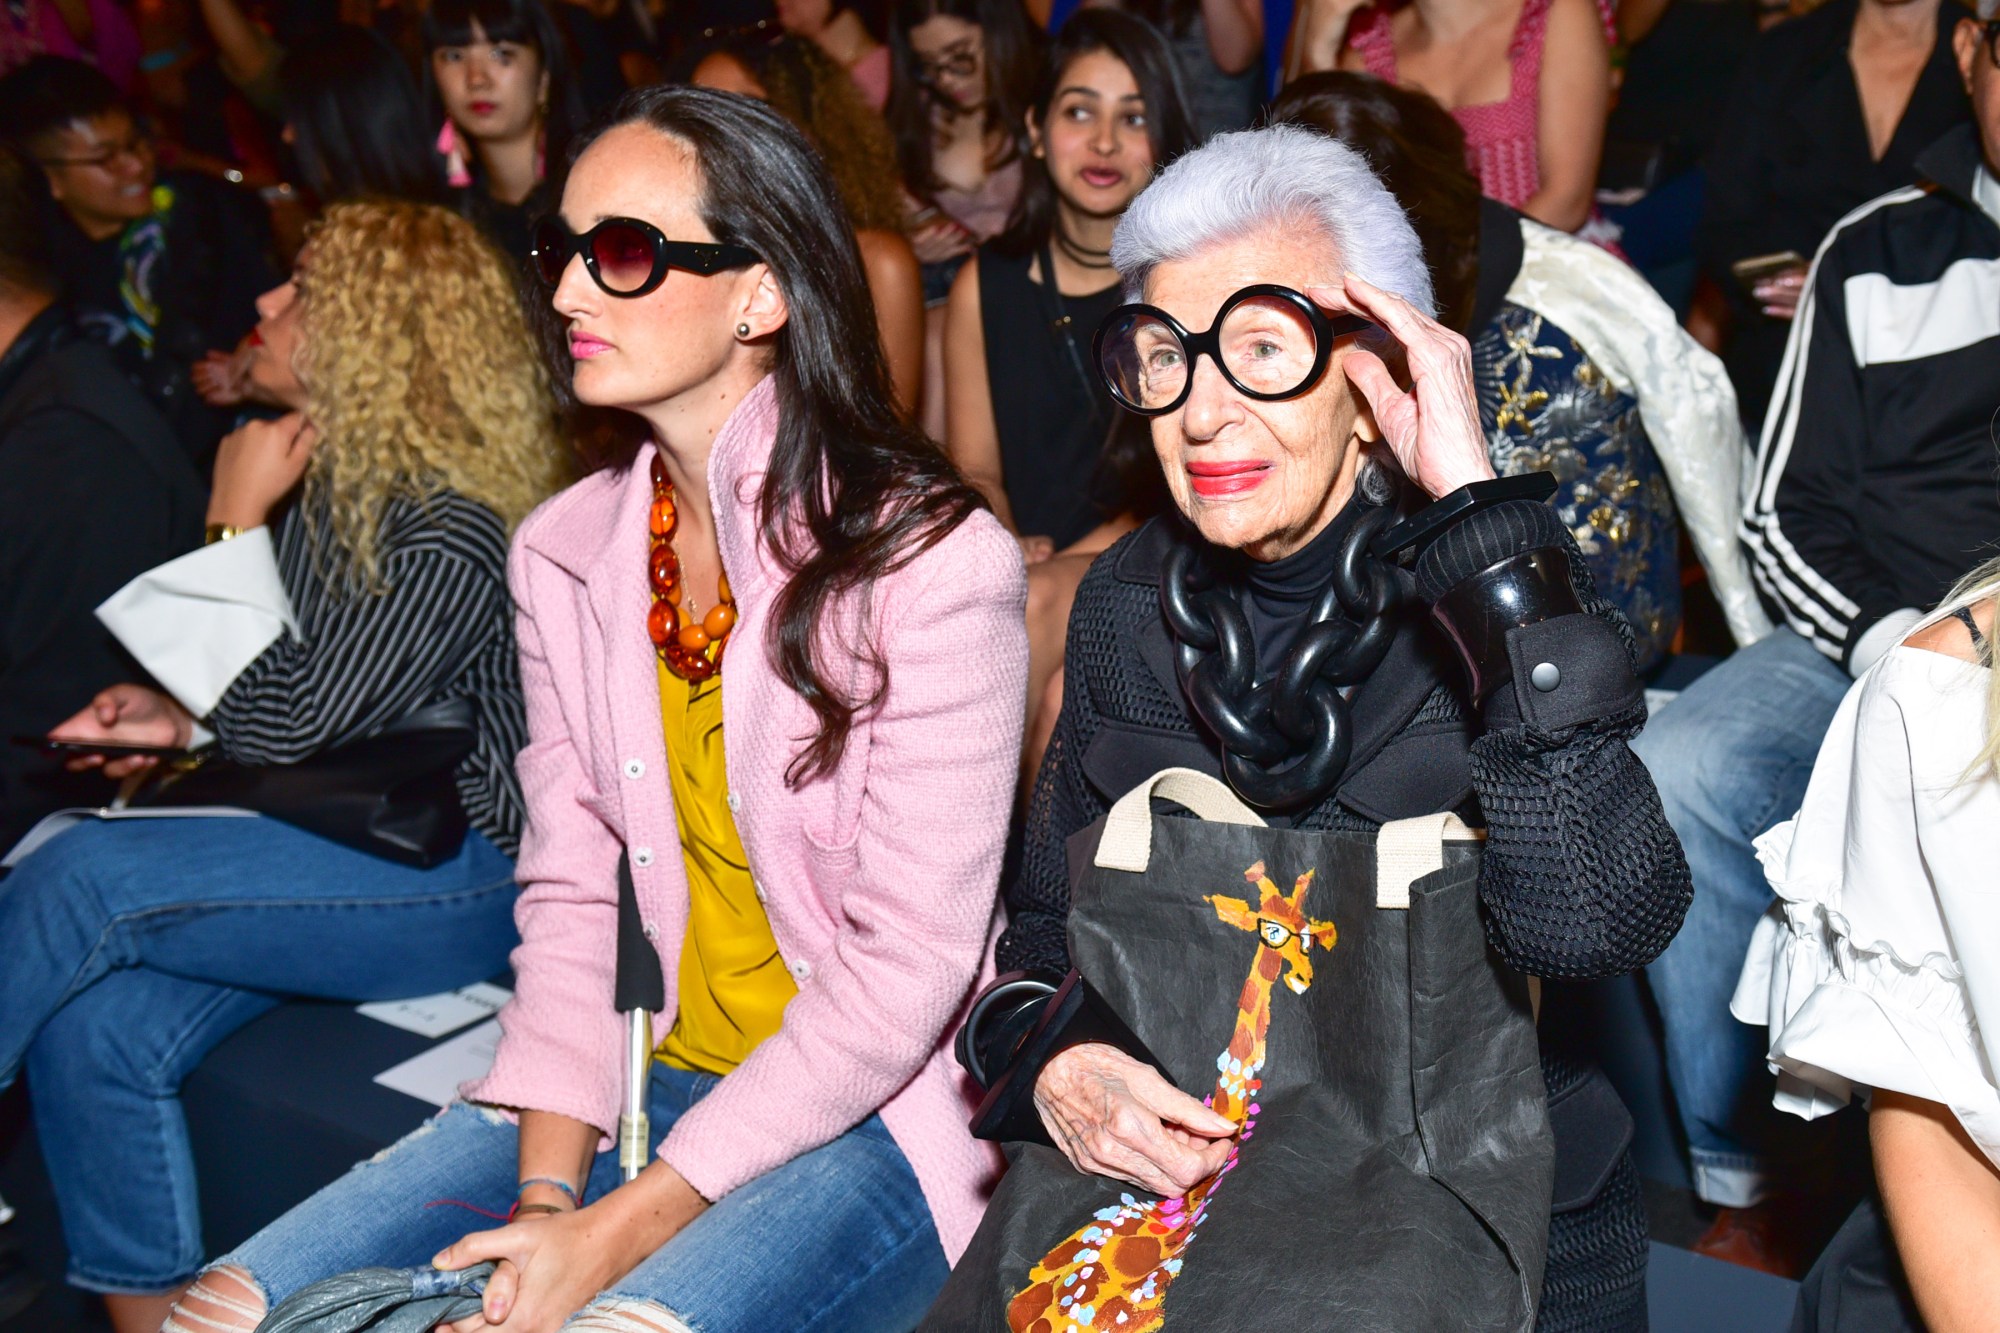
x,y
881,879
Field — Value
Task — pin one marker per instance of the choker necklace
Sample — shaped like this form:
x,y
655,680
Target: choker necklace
x,y
692,651
1082,258
1285,742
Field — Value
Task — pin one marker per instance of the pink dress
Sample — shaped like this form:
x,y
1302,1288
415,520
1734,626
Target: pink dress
x,y
1500,137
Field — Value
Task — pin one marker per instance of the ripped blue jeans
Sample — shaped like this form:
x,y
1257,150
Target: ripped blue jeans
x,y
838,1240
133,947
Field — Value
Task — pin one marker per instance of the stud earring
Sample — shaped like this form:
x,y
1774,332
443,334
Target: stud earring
x,y
743,330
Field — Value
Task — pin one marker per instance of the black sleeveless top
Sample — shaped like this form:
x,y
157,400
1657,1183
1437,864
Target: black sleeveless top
x,y
1051,411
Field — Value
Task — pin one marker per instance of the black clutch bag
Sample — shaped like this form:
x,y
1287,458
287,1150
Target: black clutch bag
x,y
392,795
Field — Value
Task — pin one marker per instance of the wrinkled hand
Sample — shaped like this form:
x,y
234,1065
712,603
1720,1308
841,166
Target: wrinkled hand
x,y
940,240
549,1266
1113,1116
1780,293
127,715
256,467
1433,426
1034,550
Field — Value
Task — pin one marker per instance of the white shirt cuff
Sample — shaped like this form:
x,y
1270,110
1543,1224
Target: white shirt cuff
x,y
1880,637
197,621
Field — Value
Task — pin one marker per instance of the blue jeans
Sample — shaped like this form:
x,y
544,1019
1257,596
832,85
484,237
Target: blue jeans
x,y
134,946
838,1240
1731,757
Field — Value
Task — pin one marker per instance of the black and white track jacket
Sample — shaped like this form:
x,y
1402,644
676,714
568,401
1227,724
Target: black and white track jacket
x,y
1877,482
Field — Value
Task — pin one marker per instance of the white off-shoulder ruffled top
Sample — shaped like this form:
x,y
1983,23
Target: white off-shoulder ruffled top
x,y
1880,959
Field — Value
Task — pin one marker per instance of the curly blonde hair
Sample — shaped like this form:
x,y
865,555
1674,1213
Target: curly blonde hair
x,y
420,374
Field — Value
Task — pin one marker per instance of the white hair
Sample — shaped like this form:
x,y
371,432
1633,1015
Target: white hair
x,y
1282,175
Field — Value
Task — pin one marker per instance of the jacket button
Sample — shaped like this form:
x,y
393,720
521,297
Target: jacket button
x,y
802,969
651,931
1545,677
642,856
635,768
735,803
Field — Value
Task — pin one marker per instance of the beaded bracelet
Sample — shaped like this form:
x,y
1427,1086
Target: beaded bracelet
x,y
553,1184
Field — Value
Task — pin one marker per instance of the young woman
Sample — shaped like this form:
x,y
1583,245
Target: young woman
x,y
1877,969
837,30
422,431
1026,417
964,73
803,753
1529,80
499,74
1219,49
809,89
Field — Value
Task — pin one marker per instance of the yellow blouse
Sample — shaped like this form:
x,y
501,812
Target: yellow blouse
x,y
733,984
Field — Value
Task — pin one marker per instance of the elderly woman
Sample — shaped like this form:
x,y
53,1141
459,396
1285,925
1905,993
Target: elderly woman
x,y
1285,430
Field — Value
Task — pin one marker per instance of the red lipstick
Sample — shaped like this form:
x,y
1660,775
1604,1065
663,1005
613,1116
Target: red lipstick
x,y
1212,480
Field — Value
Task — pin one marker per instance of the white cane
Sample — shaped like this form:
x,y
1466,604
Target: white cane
x,y
639,991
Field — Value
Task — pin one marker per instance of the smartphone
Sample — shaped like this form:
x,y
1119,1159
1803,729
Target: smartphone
x,y
111,748
1755,269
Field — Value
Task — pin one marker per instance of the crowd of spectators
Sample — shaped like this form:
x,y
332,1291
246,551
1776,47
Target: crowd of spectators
x,y
307,306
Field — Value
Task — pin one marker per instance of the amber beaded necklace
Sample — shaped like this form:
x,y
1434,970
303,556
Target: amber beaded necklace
x,y
692,651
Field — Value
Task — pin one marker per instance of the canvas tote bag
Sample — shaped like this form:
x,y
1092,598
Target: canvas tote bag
x,y
1334,993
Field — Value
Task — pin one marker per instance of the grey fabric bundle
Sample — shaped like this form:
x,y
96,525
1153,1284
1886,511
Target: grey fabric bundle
x,y
381,1300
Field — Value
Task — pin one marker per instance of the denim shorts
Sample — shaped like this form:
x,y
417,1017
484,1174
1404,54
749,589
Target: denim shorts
x,y
841,1236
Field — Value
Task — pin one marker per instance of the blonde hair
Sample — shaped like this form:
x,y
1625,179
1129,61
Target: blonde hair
x,y
1981,585
420,373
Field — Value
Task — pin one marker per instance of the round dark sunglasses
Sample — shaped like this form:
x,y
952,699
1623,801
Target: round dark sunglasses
x,y
1270,342
627,257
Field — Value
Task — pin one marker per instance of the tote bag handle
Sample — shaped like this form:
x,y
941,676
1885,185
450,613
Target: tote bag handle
x,y
1127,843
1408,849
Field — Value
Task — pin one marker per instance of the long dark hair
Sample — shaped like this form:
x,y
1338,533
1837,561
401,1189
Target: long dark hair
x,y
357,120
1012,47
1418,149
1139,46
854,492
529,23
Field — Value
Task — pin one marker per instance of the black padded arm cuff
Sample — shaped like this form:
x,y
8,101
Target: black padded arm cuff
x,y
1000,1020
1570,671
1074,1015
1484,539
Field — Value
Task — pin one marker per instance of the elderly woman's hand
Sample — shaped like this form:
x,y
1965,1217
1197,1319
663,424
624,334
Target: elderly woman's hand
x,y
1113,1116
1433,426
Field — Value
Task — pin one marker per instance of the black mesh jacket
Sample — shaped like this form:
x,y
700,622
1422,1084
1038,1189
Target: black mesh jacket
x,y
1581,876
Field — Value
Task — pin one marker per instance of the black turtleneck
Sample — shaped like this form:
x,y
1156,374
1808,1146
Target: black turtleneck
x,y
1282,591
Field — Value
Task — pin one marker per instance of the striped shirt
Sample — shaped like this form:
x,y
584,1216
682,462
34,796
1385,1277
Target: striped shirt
x,y
441,629
1875,484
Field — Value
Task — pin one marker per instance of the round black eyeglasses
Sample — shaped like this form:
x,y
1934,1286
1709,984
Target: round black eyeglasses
x,y
627,257
1270,342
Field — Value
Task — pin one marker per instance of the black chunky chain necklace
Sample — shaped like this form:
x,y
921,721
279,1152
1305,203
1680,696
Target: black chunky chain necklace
x,y
1285,741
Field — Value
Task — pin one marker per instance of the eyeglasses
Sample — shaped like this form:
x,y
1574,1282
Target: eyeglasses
x,y
139,146
627,257
1989,32
960,60
1270,342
